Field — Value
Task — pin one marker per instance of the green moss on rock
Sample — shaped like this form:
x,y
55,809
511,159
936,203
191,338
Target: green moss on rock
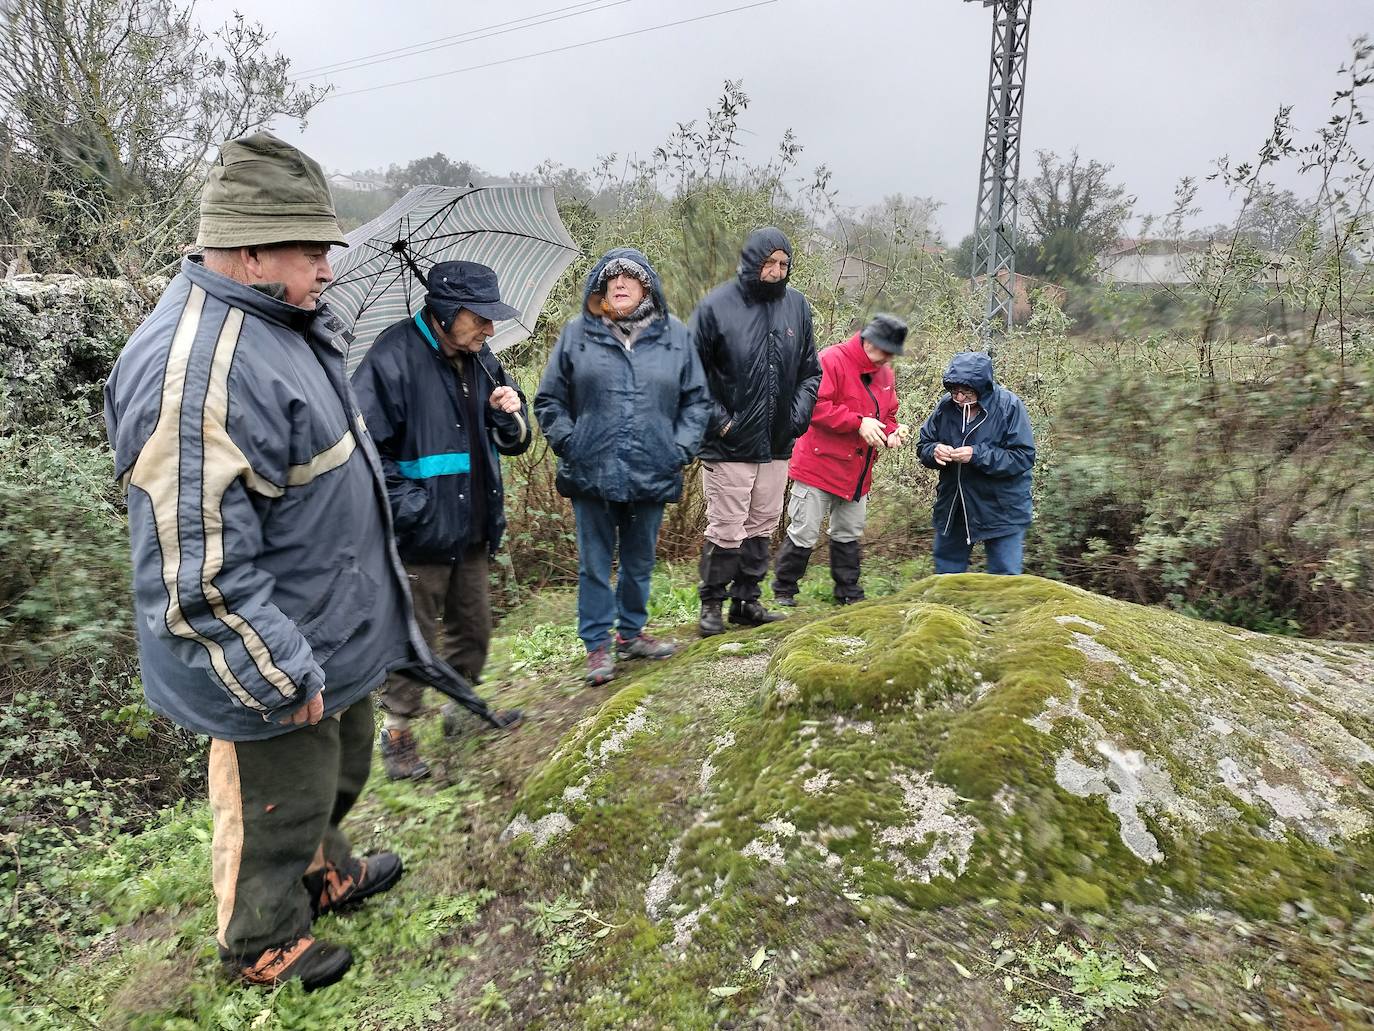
x,y
973,737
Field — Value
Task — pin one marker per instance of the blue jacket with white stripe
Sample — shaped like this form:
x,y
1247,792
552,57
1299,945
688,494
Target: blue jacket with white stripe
x,y
263,566
412,400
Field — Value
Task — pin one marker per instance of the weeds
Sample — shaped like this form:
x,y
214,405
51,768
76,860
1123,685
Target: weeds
x,y
1068,989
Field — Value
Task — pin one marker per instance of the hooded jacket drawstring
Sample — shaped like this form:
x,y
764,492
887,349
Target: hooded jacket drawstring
x,y
965,429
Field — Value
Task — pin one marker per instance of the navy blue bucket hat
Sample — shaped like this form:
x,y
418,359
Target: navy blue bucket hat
x,y
454,285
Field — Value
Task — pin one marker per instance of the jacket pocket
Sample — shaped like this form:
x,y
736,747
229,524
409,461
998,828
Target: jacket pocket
x,y
347,603
835,449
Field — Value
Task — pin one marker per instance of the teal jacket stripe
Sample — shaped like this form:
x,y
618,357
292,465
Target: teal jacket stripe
x,y
436,465
424,330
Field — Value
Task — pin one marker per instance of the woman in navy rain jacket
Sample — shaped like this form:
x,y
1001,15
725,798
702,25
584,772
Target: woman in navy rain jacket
x,y
979,437
624,406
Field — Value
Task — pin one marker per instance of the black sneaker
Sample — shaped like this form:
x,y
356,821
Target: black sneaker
x,y
336,889
787,601
752,613
315,963
400,759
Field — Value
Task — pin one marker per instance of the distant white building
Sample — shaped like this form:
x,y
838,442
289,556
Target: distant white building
x,y
1177,263
356,183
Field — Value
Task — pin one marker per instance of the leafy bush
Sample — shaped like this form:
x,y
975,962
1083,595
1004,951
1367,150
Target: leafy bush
x,y
1247,500
64,553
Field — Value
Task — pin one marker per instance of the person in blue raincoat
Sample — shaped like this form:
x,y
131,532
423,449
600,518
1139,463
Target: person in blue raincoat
x,y
979,437
624,405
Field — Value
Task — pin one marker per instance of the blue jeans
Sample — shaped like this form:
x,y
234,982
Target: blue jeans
x,y
1003,553
601,527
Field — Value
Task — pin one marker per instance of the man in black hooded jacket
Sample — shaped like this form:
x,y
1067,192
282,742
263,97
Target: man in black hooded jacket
x,y
756,344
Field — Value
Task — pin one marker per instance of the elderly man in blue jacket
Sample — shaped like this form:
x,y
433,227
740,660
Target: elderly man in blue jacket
x,y
979,437
441,408
269,600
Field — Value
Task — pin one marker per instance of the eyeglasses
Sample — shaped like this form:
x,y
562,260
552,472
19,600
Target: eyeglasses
x,y
958,392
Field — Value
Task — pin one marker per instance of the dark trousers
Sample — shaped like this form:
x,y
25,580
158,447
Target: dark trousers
x,y
453,609
603,529
1004,553
277,805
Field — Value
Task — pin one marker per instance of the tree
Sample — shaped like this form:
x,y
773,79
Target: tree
x,y
1074,213
108,110
1274,219
898,226
959,260
435,170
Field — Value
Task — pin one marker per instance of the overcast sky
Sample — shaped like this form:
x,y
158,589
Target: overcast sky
x,y
889,94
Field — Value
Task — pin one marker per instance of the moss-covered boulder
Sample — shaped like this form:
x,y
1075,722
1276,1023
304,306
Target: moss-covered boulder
x,y
971,738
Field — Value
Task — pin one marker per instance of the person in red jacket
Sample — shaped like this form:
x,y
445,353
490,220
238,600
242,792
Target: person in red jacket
x,y
854,421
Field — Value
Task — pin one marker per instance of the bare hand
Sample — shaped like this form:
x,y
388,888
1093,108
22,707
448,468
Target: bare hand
x,y
309,713
962,454
505,399
871,430
944,454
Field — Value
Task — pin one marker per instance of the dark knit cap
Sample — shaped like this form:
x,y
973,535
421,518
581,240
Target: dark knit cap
x,y
886,333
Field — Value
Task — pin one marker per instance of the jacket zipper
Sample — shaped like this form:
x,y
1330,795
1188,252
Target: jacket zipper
x,y
959,487
868,458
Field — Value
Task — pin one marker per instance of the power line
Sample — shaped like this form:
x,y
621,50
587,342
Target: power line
x,y
469,36
552,50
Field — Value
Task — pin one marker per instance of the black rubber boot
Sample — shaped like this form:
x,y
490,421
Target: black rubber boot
x,y
788,569
711,621
844,570
745,607
718,567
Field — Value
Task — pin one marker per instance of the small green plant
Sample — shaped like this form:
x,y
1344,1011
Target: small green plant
x,y
543,647
1069,989
563,928
490,1003
673,597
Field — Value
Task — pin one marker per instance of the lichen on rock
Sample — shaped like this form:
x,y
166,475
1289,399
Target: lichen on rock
x,y
979,737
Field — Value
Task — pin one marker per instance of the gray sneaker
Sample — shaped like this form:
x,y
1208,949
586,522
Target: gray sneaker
x,y
400,759
600,665
644,647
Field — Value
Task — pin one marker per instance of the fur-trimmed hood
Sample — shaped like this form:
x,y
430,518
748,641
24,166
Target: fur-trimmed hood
x,y
591,294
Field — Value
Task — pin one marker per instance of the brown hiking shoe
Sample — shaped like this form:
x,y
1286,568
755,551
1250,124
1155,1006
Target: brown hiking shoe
x,y
400,758
336,889
315,963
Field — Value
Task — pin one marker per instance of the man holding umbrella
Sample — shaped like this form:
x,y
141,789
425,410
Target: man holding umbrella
x,y
440,407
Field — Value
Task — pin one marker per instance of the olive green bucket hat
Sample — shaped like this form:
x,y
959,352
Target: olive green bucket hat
x,y
261,191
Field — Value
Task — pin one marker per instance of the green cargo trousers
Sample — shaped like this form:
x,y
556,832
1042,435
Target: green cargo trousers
x,y
276,805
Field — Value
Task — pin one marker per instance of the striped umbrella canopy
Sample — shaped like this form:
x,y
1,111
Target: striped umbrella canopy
x,y
379,276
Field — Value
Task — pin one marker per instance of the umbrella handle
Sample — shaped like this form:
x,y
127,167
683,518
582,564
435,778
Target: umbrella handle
x,y
415,268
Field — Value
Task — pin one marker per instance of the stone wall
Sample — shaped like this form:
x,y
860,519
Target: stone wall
x,y
59,336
